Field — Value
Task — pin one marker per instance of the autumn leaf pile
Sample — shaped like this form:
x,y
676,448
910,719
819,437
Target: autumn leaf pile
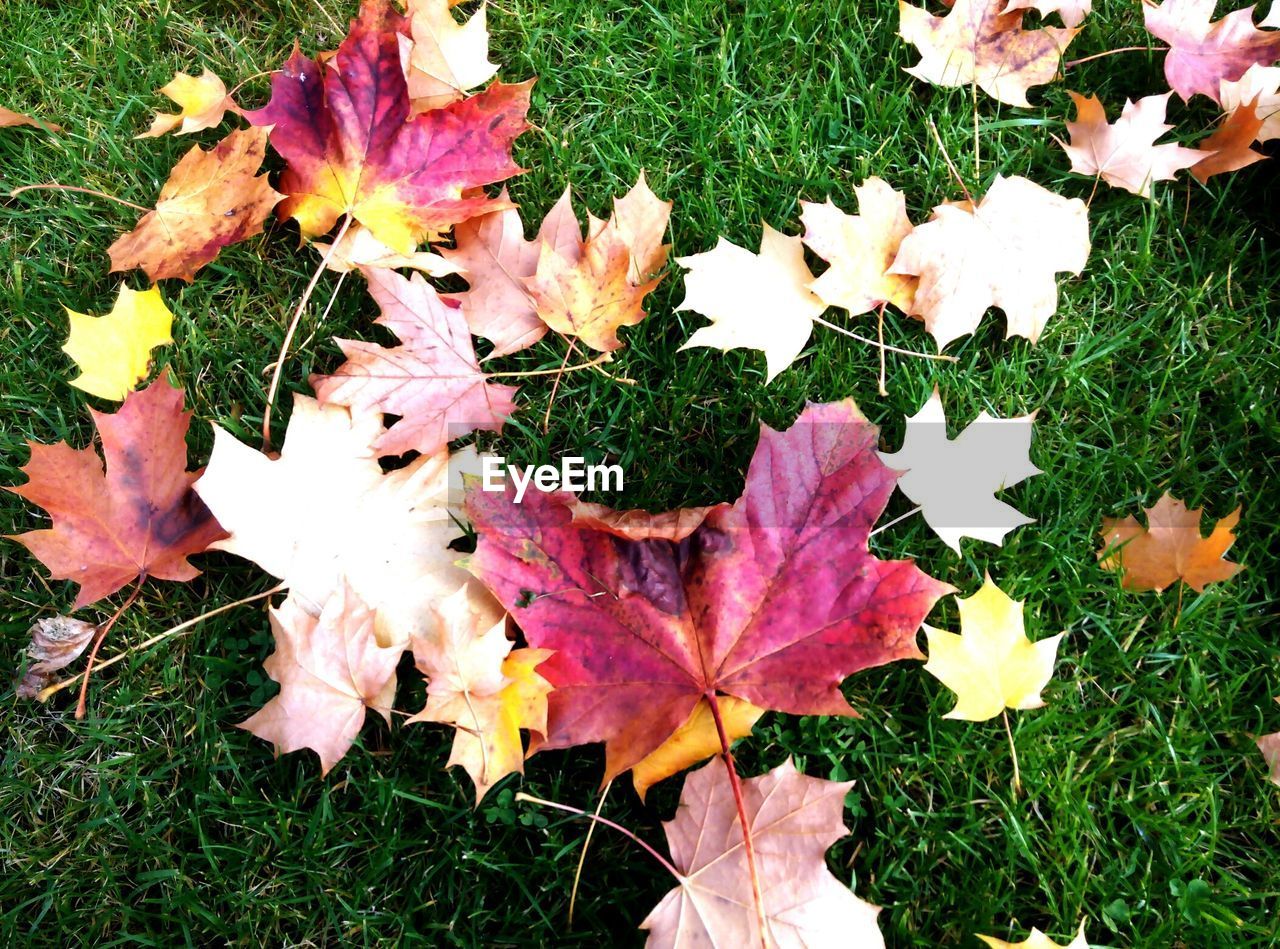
x,y
664,636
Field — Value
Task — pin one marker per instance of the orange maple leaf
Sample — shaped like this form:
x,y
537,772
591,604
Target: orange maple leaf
x,y
1169,548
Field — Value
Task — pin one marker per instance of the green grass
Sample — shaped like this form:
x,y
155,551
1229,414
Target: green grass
x,y
156,821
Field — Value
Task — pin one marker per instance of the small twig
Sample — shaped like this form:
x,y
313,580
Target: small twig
x,y
1013,752
55,186
900,517
248,79
582,857
1112,52
555,386
97,643
950,164
530,373
333,297
293,328
521,796
884,346
44,694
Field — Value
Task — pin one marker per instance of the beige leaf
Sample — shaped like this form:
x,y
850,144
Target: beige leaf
x,y
754,301
447,57
324,513
1004,252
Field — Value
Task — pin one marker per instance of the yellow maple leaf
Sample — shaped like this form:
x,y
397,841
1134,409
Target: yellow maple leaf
x,y
695,740
1037,940
993,665
202,100
114,351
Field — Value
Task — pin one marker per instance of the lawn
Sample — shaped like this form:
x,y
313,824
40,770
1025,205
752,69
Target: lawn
x,y
1146,806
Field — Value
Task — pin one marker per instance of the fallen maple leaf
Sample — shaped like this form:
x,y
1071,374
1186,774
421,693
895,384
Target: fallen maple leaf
x,y
1124,154
641,525
496,260
432,380
774,600
1004,252
793,820
754,301
56,642
642,218
211,200
1037,940
592,289
1259,85
352,149
860,249
993,665
480,686
140,519
1229,147
114,351
1202,54
203,102
10,119
955,480
331,668
359,248
324,513
447,57
696,740
1169,548
977,42
1072,12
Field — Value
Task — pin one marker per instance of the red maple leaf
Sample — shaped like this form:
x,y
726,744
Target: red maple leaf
x,y
141,519
774,599
344,129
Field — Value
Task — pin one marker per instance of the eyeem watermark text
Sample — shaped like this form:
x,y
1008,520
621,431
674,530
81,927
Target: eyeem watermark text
x,y
572,474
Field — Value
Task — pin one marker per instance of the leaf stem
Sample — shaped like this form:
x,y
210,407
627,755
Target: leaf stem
x,y
97,643
1013,752
1112,52
293,328
883,346
582,857
555,386
521,796
900,517
48,690
55,186
880,343
757,896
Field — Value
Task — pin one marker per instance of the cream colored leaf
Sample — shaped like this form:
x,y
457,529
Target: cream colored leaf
x,y
447,57
754,301
1003,252
1072,12
324,513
